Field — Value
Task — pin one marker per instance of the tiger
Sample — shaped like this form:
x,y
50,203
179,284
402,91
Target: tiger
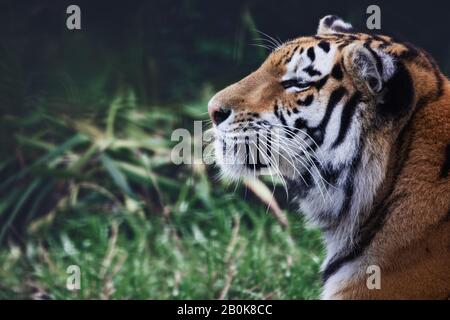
x,y
360,124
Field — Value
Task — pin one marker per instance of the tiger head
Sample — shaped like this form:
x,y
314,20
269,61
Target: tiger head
x,y
322,111
311,107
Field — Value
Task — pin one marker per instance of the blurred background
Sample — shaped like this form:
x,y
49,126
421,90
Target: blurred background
x,y
85,171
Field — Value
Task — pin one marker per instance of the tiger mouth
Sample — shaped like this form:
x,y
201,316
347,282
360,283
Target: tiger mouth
x,y
255,152
251,151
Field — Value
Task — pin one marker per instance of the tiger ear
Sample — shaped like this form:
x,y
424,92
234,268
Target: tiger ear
x,y
371,66
333,24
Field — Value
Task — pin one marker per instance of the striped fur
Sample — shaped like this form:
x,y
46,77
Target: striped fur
x,y
360,125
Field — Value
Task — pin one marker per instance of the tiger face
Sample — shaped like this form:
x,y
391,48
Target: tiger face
x,y
305,108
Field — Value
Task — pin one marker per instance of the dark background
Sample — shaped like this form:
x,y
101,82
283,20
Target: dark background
x,y
169,49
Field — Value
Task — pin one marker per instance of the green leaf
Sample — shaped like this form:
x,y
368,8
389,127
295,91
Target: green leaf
x,y
19,205
118,177
44,160
115,106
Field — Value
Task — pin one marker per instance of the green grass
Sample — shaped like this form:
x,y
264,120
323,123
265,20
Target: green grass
x,y
102,193
191,255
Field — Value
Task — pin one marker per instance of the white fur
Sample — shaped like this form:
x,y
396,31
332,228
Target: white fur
x,y
348,272
323,29
323,62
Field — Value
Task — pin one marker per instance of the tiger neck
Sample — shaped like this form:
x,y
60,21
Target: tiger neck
x,y
348,235
347,214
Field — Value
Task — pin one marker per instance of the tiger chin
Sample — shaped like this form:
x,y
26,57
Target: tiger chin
x,y
359,127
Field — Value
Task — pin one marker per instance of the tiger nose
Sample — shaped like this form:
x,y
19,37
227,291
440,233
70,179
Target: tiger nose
x,y
217,113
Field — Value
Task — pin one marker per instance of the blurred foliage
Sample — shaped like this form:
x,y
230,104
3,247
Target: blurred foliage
x,y
107,197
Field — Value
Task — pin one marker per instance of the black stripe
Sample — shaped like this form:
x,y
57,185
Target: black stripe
x,y
288,59
283,121
437,74
447,217
338,36
342,64
311,71
378,63
235,146
330,174
329,225
324,45
319,84
446,165
269,145
301,187
411,51
341,29
300,123
349,182
350,37
311,54
306,102
318,132
258,161
335,97
348,190
330,20
377,37
343,45
247,151
279,115
224,149
346,118
337,72
399,96
338,260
